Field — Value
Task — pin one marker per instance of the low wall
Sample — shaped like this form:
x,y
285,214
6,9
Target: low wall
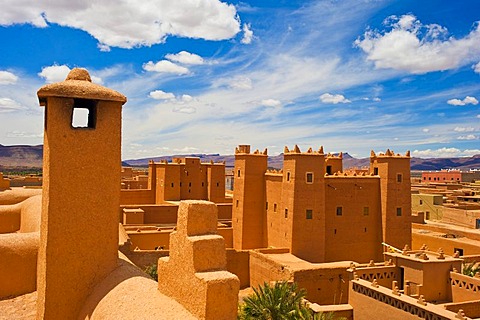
x,y
470,308
384,275
371,302
434,242
263,269
238,264
464,288
460,217
132,197
146,258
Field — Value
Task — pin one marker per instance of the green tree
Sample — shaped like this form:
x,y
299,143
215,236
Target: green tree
x,y
282,301
470,269
152,271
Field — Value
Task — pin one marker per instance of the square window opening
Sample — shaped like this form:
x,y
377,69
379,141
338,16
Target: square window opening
x,y
84,114
309,214
339,211
399,212
366,211
329,169
399,177
309,177
375,171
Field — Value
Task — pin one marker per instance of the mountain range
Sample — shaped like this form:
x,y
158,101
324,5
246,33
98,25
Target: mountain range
x,y
24,156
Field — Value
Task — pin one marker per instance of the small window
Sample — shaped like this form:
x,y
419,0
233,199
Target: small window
x,y
274,207
339,211
203,184
399,212
236,203
365,230
399,177
424,178
421,201
375,171
266,205
366,211
238,173
218,184
172,184
84,113
309,177
334,231
286,213
329,169
309,214
189,184
288,176
460,251
180,184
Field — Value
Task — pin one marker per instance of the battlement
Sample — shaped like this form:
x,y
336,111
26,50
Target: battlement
x,y
333,156
296,150
350,174
245,149
389,154
183,161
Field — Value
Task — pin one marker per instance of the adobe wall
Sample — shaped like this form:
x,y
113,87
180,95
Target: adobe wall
x,y
9,218
464,288
353,235
384,275
434,242
471,308
17,195
156,214
371,302
138,196
4,183
145,258
238,263
460,217
277,226
263,269
326,283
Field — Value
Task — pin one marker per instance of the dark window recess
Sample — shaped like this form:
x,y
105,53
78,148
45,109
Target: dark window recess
x,y
339,211
274,207
286,213
366,211
329,169
172,184
288,176
238,173
309,177
84,113
218,184
266,205
309,214
399,177
399,212
375,171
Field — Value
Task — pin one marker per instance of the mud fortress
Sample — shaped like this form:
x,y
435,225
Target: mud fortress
x,y
71,249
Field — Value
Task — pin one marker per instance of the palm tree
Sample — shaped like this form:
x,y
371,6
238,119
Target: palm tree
x,y
282,301
470,269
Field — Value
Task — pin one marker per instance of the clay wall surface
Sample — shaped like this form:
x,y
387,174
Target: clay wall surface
x,y
370,302
215,182
442,176
139,196
431,204
470,176
299,195
464,288
238,263
355,234
384,275
460,217
449,245
9,218
394,172
4,182
325,283
471,308
17,195
248,217
224,211
277,226
263,269
145,258
334,164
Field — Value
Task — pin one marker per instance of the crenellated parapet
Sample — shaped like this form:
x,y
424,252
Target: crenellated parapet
x,y
335,156
389,153
296,150
245,149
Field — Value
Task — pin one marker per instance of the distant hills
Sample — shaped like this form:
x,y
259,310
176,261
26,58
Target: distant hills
x,y
23,156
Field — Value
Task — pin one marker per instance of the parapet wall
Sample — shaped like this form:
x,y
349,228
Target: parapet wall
x,y
464,288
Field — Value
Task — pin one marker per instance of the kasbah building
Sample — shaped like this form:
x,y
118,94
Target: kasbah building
x,y
75,249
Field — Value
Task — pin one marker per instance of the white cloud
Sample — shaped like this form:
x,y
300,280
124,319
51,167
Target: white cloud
x,y
478,116
464,129
54,73
410,46
377,99
161,95
58,73
468,137
247,34
7,78
129,24
9,105
184,109
333,98
426,130
23,134
103,47
185,58
476,67
165,66
445,153
242,83
467,100
271,103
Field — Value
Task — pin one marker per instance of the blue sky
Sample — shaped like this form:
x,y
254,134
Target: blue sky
x,y
203,76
